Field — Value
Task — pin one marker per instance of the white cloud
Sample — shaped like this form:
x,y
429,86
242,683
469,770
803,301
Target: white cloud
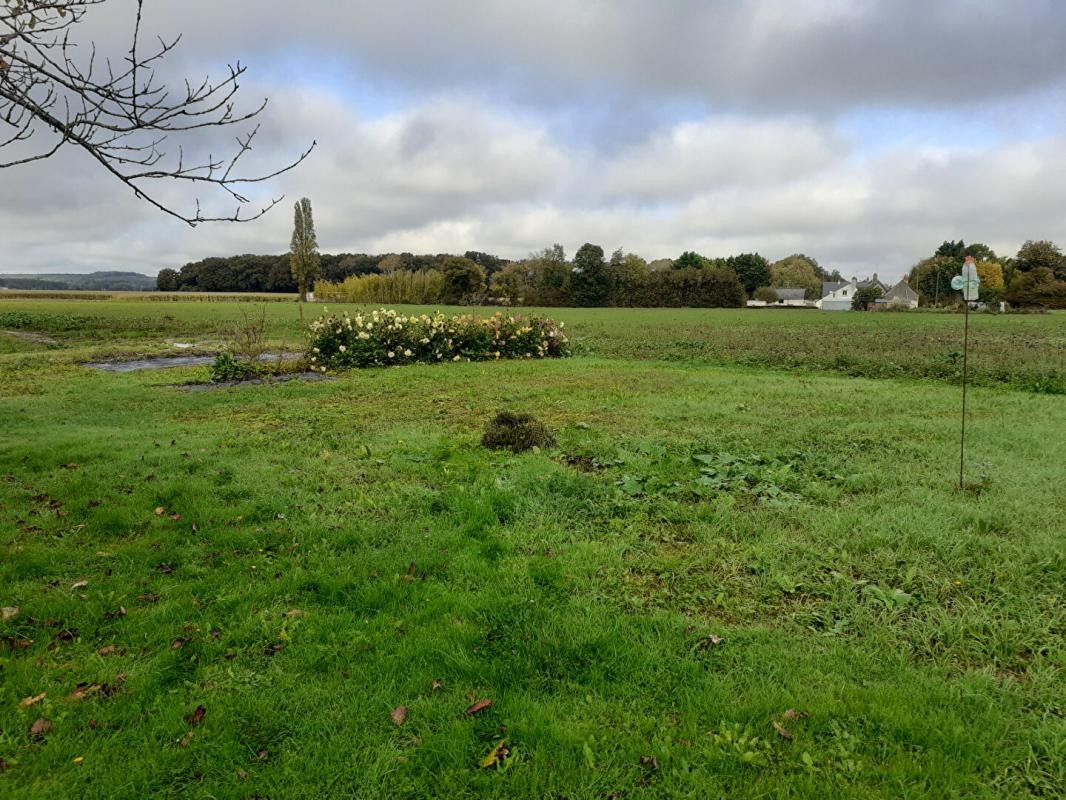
x,y
696,156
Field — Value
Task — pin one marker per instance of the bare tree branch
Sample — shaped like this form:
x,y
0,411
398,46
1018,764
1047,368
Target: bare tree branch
x,y
119,113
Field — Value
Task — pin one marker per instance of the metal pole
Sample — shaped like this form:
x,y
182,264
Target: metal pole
x,y
965,376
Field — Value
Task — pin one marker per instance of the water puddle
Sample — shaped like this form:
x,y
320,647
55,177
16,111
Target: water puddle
x,y
166,362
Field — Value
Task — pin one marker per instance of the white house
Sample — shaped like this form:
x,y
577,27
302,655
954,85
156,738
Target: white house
x,y
837,296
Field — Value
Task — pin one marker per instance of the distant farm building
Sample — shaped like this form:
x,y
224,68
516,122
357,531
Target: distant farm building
x,y
787,296
901,295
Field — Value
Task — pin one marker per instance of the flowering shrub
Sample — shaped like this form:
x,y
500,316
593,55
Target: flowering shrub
x,y
385,337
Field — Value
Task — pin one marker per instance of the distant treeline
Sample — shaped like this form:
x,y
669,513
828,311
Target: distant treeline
x,y
94,281
545,278
1033,278
252,273
548,278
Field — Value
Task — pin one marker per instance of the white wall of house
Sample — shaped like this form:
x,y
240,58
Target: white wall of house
x,y
839,300
898,302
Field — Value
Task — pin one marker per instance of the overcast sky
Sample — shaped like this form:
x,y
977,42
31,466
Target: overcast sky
x,y
862,133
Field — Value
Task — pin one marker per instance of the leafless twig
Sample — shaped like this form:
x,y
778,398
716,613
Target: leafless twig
x,y
52,96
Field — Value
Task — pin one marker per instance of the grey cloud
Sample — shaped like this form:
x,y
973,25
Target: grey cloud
x,y
760,55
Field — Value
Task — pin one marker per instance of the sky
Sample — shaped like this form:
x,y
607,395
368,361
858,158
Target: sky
x,y
860,132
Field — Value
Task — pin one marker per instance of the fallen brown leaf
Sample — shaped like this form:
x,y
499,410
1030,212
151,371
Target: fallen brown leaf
x,y
40,728
793,714
9,612
438,685
29,701
477,707
782,731
68,635
109,650
160,511
273,649
411,569
215,633
178,643
148,597
709,641
242,774
83,690
109,689
186,740
72,466
294,613
399,714
16,643
197,716
175,517
262,755
4,766
79,585
649,762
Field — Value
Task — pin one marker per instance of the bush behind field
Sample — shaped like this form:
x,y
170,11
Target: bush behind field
x,y
424,287
676,288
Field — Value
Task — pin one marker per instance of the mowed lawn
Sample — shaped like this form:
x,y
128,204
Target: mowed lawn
x,y
725,580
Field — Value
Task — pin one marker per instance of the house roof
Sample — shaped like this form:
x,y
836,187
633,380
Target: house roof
x,y
790,293
901,291
828,287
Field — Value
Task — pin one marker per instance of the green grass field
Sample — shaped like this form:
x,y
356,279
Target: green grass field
x,y
745,571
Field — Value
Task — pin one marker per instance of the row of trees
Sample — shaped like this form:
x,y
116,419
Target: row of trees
x,y
1035,276
273,273
546,278
625,279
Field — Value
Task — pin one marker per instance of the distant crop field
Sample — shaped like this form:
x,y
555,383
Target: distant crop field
x,y
1023,351
170,297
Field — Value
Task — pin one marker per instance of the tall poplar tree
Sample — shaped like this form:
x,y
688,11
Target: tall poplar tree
x,y
303,253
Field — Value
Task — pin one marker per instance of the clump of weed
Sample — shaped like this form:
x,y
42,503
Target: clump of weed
x,y
228,368
247,338
516,432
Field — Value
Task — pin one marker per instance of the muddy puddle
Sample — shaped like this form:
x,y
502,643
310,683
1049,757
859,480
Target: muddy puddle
x,y
166,362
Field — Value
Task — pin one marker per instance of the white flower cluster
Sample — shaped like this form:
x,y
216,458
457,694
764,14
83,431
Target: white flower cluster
x,y
386,337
